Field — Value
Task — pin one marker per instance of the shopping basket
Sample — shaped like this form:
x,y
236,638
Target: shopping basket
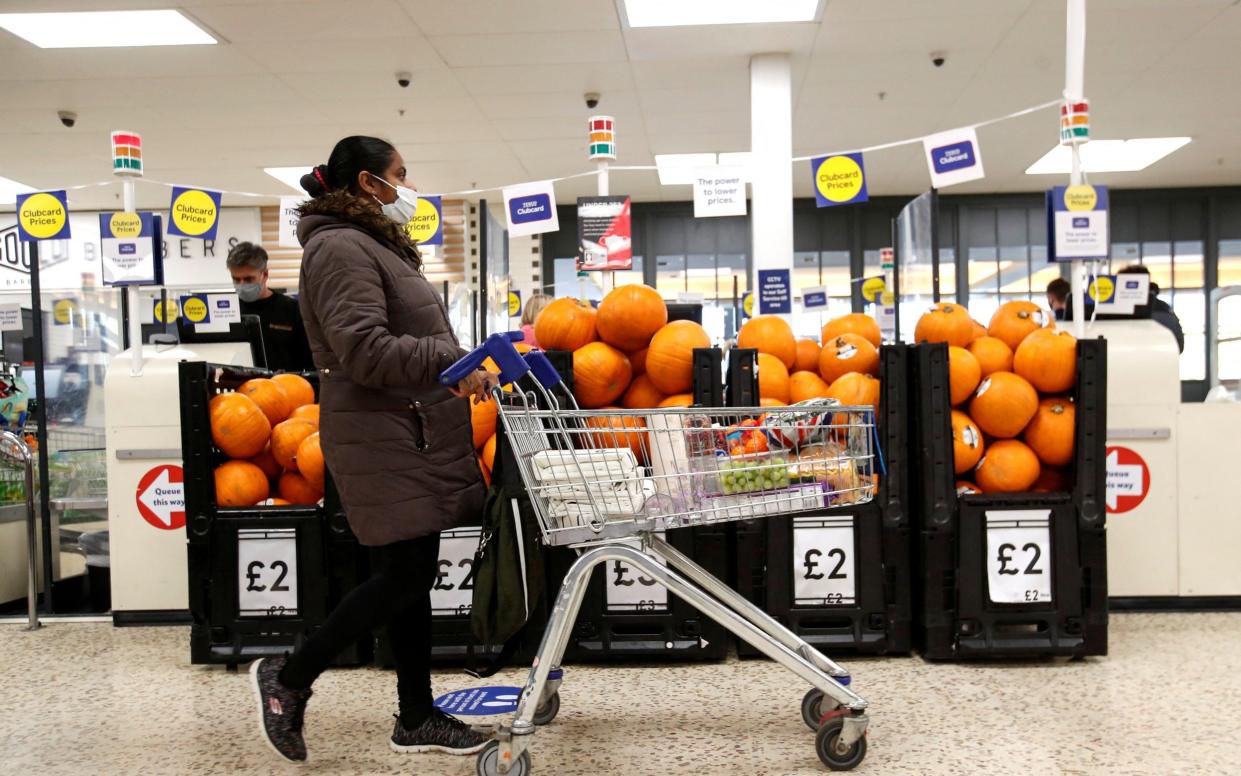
x,y
609,482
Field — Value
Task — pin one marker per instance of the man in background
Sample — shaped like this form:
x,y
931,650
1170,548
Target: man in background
x,y
1058,296
284,336
1161,311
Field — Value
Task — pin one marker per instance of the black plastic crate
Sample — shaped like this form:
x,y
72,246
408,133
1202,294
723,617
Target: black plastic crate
x,y
798,567
309,550
964,610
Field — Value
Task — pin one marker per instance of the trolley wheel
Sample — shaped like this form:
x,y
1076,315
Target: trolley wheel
x,y
825,746
488,763
548,710
813,706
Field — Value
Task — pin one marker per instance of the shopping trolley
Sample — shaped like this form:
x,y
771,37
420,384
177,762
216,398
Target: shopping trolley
x,y
609,482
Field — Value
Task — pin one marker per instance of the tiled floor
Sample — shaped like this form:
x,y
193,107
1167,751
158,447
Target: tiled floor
x,y
92,699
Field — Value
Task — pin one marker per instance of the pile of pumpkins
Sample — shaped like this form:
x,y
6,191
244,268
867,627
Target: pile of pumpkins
x,y
269,430
1013,421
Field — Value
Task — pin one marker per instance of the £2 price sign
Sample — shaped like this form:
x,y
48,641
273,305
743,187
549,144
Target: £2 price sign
x,y
823,552
1019,556
267,572
629,590
453,591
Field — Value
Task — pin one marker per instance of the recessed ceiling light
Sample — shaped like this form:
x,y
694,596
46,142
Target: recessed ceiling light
x,y
106,29
290,176
9,189
689,13
1109,155
681,169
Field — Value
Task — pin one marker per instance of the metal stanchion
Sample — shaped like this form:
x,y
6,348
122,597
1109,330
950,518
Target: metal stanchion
x,y
15,448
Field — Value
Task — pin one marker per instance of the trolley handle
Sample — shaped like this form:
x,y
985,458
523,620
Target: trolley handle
x,y
541,366
499,347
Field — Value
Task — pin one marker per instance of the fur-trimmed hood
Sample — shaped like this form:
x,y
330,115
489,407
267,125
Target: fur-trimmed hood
x,y
341,206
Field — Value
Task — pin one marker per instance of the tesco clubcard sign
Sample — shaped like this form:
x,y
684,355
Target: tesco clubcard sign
x,y
531,209
953,157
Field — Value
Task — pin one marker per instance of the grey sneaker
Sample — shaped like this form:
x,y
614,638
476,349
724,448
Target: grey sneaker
x,y
439,733
281,710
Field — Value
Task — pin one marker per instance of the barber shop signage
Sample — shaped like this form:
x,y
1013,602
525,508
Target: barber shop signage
x,y
953,157
531,209
194,213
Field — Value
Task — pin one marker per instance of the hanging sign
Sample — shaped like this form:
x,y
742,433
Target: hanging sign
x,y
719,191
530,208
130,253
267,572
1019,556
194,213
161,497
747,304
873,288
603,234
64,311
1128,480
11,317
427,225
1077,223
42,215
775,296
814,298
953,157
288,222
514,304
839,179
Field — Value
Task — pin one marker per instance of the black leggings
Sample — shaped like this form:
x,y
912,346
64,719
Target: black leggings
x,y
397,595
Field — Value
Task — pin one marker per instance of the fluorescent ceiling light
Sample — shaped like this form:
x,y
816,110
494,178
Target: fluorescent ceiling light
x,y
681,169
290,176
9,189
105,29
1109,155
690,13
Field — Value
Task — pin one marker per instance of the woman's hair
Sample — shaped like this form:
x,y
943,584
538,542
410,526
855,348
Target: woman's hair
x,y
534,306
351,156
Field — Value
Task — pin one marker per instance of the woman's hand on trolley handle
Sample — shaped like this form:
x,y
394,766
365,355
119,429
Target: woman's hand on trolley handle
x,y
478,384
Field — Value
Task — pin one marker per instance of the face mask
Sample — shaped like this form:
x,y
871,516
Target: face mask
x,y
249,292
402,209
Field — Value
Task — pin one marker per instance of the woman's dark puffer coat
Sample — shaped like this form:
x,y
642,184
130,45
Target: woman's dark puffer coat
x,y
398,445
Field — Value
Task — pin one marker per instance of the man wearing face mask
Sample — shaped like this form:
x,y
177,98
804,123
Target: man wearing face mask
x,y
284,336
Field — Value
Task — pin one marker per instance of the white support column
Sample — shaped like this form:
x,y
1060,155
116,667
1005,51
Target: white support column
x,y
771,174
1075,89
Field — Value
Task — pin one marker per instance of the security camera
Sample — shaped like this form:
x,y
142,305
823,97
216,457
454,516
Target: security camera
x,y
403,80
592,99
938,58
67,117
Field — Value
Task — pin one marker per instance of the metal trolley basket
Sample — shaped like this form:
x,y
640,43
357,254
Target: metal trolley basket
x,y
609,482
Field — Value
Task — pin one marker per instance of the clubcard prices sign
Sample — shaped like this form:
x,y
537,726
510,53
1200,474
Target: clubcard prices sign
x,y
43,215
603,232
839,180
427,225
953,157
530,208
194,213
1077,223
129,249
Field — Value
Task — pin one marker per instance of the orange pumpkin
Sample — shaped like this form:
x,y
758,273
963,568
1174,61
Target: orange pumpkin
x,y
629,316
1051,433
806,385
565,324
847,353
265,461
297,388
482,467
670,358
614,431
240,484
238,427
770,334
270,397
309,460
964,374
678,400
945,322
1053,480
807,356
854,323
482,420
637,360
1003,405
642,394
967,488
769,402
1016,319
601,373
992,354
307,412
298,490
489,454
855,390
967,444
1008,467
286,437
1048,359
773,378
979,329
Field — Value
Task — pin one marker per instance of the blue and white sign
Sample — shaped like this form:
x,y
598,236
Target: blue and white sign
x,y
479,701
130,252
210,312
775,296
953,157
814,298
530,208
1077,223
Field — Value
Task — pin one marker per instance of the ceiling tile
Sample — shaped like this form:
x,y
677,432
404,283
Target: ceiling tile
x,y
436,17
528,49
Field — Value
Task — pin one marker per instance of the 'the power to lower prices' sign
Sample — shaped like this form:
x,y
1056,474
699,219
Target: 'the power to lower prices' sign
x,y
1077,223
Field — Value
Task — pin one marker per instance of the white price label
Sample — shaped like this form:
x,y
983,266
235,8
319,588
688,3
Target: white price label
x,y
629,590
1019,556
267,572
453,591
823,552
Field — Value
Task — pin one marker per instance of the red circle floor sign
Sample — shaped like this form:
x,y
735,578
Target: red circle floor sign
x,y
1128,479
161,497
